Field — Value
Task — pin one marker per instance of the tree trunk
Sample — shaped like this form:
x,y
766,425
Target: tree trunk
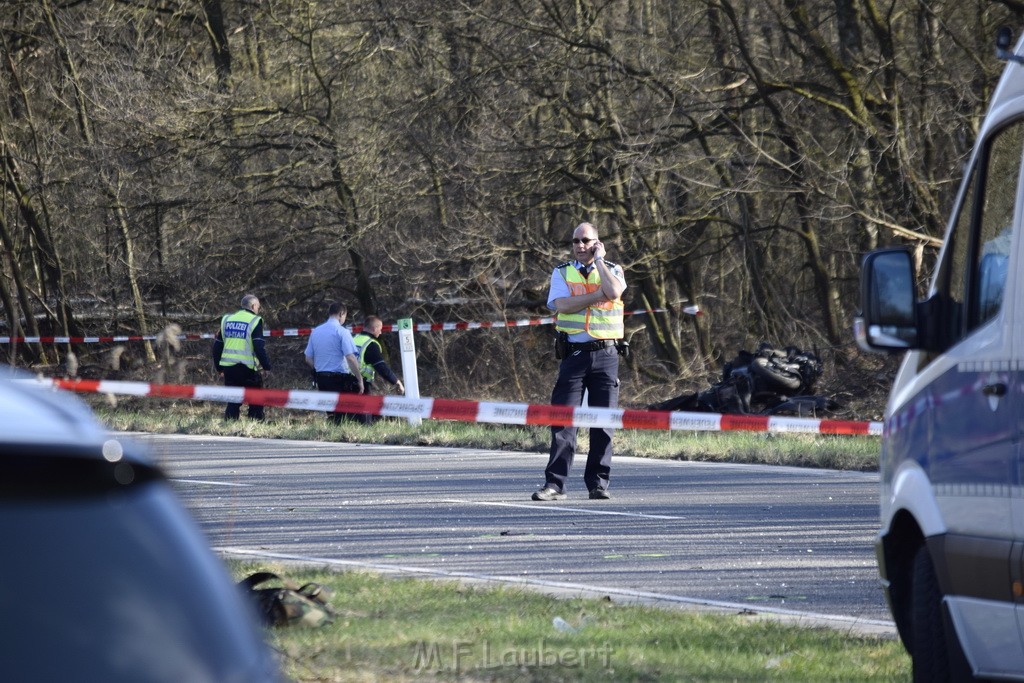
x,y
120,214
14,317
128,242
48,257
219,42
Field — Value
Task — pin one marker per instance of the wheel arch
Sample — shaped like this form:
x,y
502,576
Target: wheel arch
x,y
899,546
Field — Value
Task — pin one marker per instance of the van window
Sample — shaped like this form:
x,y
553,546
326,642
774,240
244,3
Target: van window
x,y
973,278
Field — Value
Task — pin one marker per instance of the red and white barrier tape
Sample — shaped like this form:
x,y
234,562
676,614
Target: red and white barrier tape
x,y
473,411
305,331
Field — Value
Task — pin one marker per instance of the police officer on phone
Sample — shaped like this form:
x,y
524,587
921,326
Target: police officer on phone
x,y
586,295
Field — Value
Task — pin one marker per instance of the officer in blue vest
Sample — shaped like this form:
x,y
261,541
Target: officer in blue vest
x,y
239,354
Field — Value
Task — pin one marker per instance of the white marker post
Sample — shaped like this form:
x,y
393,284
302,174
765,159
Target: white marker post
x,y
409,376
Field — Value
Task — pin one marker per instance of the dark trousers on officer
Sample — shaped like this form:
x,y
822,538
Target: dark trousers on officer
x,y
368,389
342,383
240,375
597,373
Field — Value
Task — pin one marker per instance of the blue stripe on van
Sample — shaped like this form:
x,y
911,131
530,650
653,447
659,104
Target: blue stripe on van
x,y
952,431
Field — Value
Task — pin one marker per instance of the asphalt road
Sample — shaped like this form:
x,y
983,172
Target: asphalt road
x,y
788,542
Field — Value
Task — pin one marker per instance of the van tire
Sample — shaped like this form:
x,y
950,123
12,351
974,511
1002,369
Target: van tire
x,y
928,651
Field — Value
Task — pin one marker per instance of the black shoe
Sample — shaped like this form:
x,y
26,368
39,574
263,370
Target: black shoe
x,y
548,493
599,494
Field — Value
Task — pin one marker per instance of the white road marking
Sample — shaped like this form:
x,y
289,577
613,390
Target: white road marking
x,y
544,506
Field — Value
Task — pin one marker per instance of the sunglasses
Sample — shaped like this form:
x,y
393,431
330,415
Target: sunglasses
x,y
577,240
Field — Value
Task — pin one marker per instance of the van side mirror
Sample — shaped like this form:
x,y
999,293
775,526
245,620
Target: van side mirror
x,y
1004,38
1004,42
888,317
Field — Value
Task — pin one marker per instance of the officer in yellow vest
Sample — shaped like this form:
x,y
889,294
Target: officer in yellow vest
x,y
371,359
586,295
239,353
371,355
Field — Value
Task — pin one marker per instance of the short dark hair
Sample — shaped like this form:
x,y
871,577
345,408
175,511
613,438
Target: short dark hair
x,y
336,308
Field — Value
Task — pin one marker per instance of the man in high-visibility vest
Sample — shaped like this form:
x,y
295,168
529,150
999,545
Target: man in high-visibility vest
x,y
239,354
371,359
371,355
586,295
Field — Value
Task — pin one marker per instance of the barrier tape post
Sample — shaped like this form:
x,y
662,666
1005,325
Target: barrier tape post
x,y
409,375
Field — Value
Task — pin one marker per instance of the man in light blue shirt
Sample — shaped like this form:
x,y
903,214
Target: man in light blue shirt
x,y
586,295
329,350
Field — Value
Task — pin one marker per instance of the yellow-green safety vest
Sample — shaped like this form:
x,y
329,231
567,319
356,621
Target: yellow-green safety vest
x,y
363,341
236,332
600,321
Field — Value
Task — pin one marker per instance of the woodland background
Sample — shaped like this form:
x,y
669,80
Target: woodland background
x,y
425,159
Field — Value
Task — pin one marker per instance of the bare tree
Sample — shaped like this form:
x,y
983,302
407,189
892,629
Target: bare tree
x,y
429,162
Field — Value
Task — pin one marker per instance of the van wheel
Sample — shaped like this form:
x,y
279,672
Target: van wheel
x,y
928,651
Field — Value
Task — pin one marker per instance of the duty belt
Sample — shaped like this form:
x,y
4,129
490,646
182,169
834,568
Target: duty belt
x,y
592,345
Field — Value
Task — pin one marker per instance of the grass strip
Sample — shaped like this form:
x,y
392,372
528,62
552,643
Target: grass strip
x,y
403,629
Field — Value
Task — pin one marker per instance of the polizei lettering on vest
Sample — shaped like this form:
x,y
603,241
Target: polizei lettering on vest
x,y
235,329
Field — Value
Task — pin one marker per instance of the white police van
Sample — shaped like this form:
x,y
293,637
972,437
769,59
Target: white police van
x,y
951,547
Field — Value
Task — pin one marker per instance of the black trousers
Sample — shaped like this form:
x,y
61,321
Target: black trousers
x,y
342,383
367,390
597,373
242,376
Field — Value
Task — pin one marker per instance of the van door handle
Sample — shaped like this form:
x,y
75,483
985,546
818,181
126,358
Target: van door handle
x,y
997,389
